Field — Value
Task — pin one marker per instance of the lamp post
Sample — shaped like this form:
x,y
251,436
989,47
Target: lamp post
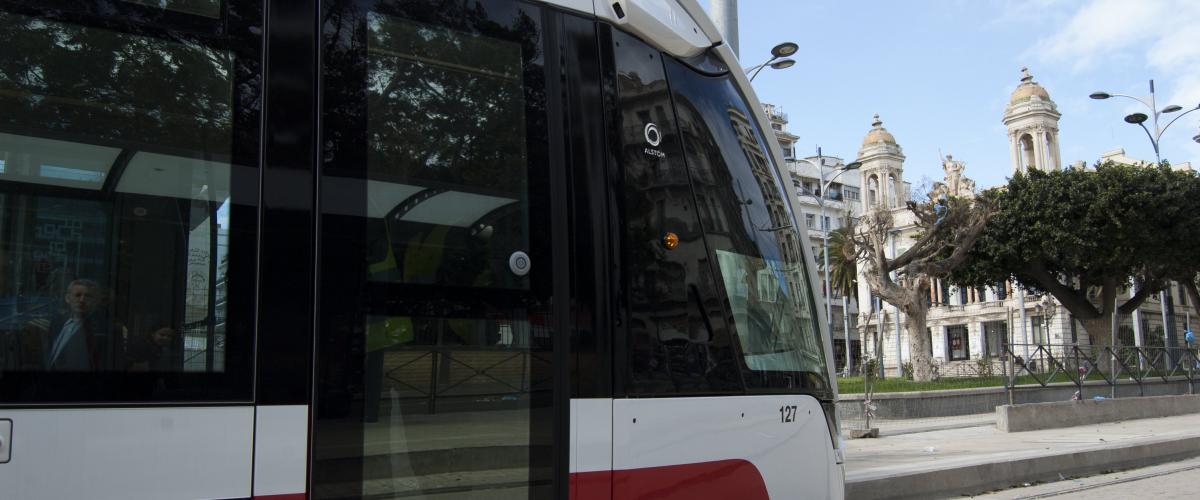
x,y
820,199
780,52
1139,119
1049,308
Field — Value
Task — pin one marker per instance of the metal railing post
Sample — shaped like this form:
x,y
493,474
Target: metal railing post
x,y
1112,349
1010,371
1079,374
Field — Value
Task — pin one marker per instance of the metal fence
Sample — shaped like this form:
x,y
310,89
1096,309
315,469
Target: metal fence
x,y
1024,373
1089,366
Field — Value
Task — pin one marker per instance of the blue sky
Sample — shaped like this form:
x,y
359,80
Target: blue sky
x,y
939,73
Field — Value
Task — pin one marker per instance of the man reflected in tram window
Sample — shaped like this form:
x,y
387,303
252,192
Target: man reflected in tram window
x,y
81,337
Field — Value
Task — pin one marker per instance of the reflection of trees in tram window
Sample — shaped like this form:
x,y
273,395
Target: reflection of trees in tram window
x,y
92,82
446,116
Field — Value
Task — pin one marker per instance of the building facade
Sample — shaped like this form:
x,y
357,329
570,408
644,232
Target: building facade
x,y
971,327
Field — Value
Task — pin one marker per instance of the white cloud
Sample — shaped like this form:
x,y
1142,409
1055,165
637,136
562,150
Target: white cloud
x,y
1098,28
1162,34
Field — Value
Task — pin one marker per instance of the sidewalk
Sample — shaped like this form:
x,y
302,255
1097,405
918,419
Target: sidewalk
x,y
953,462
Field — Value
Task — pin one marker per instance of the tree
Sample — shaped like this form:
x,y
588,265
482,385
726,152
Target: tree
x,y
843,260
947,230
1075,232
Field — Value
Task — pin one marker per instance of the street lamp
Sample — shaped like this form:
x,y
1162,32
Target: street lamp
x,y
780,52
820,198
1139,119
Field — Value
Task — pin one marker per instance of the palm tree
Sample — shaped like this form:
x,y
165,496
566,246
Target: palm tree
x,y
843,261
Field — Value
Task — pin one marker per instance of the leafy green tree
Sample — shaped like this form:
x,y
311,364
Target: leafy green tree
x,y
1077,233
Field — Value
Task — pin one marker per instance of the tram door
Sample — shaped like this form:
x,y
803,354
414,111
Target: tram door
x,y
437,329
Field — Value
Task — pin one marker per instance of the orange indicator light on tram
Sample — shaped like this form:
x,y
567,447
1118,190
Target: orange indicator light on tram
x,y
671,240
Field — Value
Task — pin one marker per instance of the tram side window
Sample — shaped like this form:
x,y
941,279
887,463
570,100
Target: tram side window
x,y
761,269
116,160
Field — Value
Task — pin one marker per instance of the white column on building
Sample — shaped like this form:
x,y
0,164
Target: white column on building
x,y
1024,322
1049,151
1137,324
1015,150
1162,303
1052,145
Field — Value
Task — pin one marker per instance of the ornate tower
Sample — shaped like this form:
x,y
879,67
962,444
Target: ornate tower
x,y
1032,121
882,169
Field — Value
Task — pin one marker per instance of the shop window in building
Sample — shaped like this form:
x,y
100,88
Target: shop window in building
x,y
958,346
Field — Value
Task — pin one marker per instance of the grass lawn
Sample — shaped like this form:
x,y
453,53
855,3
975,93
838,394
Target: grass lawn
x,y
854,385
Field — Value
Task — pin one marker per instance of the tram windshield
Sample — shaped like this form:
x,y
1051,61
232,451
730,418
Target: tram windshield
x,y
756,244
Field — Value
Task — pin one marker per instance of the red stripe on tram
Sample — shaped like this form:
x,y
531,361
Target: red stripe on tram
x,y
719,480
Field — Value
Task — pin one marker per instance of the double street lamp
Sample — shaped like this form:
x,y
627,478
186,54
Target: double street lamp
x,y
1139,119
820,197
779,59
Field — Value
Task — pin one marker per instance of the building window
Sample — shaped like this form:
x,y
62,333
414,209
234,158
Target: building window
x,y
825,224
810,220
1038,329
995,336
850,193
958,345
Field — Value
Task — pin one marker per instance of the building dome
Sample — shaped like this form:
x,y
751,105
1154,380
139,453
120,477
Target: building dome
x,y
1028,88
878,133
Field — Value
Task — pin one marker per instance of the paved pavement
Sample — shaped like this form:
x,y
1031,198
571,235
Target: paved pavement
x,y
1175,480
966,460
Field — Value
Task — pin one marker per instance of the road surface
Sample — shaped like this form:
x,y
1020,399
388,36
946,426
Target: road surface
x,y
1176,480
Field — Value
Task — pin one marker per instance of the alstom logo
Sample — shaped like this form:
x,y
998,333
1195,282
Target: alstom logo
x,y
653,136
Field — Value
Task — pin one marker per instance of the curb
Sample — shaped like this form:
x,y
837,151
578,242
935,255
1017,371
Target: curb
x,y
978,478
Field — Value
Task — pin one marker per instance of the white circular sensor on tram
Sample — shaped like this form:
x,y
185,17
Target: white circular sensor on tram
x,y
519,263
653,136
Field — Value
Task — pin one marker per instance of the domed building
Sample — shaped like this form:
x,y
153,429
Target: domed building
x,y
882,168
1032,121
970,328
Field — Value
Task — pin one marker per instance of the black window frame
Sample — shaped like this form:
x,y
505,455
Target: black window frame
x,y
951,332
238,31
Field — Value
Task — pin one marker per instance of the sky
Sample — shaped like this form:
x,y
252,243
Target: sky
x,y
940,72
